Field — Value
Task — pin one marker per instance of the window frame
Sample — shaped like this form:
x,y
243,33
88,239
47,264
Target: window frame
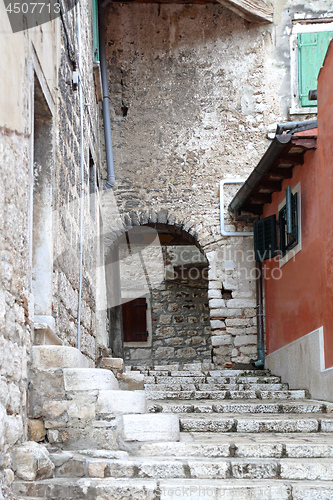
x,y
299,27
295,249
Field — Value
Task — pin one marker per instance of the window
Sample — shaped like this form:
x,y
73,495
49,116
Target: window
x,y
265,238
290,238
309,43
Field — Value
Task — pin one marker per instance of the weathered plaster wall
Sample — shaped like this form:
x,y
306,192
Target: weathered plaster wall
x,y
299,300
192,81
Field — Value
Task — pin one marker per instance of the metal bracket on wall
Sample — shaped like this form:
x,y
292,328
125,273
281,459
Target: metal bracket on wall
x,y
223,231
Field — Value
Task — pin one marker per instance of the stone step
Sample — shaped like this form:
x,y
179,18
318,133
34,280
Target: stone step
x,y
255,423
236,373
242,387
167,489
179,380
224,394
237,407
215,445
243,380
53,356
89,379
198,467
183,385
150,427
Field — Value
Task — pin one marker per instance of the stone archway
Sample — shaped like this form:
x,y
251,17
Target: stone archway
x,y
231,284
178,321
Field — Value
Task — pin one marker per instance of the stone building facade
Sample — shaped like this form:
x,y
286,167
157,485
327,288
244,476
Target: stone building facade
x,y
196,91
44,226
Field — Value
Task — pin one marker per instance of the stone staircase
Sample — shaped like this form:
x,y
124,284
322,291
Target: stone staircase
x,y
193,433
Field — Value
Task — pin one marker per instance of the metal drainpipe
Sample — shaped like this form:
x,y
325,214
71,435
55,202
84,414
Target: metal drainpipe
x,y
81,177
260,363
106,104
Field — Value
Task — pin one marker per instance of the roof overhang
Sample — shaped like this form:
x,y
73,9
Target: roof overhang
x,y
285,152
254,11
257,11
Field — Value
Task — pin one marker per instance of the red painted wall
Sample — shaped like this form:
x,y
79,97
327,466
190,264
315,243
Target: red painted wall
x,y
302,299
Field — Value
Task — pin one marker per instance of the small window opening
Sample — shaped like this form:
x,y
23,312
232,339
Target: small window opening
x,y
288,240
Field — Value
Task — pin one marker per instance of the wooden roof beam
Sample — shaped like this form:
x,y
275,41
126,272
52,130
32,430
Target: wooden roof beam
x,y
282,173
254,11
253,209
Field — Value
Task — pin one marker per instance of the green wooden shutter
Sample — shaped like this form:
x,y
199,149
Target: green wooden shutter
x,y
95,29
312,48
265,244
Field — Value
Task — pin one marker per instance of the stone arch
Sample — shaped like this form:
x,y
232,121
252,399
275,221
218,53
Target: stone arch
x,y
180,328
231,290
117,224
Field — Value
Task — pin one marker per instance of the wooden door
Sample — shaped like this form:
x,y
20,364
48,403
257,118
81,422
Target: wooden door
x,y
135,320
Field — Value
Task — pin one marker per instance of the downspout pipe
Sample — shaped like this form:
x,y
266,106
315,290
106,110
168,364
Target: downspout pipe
x,y
81,177
296,126
106,104
260,362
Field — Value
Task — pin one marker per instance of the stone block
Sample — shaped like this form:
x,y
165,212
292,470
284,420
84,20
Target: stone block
x,y
164,353
52,409
113,364
173,307
4,392
249,313
186,352
237,322
137,354
218,340
248,349
50,356
121,402
31,461
225,313
13,429
213,284
242,340
205,470
217,303
37,431
131,381
83,411
89,379
165,319
97,469
241,303
151,427
216,323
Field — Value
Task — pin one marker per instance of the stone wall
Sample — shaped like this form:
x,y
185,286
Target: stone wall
x,y
191,100
67,195
195,90
180,322
15,298
40,160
